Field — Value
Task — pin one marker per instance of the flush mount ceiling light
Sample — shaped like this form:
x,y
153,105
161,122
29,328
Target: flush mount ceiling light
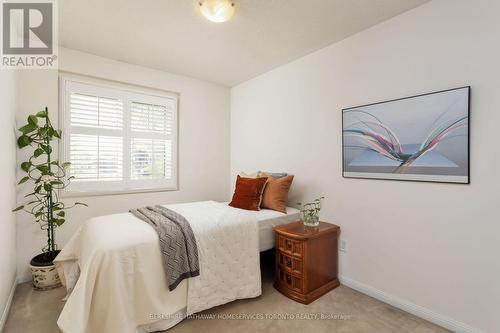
x,y
217,10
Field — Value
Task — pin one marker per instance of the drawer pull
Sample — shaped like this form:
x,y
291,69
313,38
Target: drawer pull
x,y
288,279
288,262
288,244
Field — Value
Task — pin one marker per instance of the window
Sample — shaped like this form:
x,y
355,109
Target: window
x,y
117,138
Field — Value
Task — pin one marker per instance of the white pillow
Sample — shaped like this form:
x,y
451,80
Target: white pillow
x,y
249,175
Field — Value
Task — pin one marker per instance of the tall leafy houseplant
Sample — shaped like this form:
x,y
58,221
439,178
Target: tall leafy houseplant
x,y
47,176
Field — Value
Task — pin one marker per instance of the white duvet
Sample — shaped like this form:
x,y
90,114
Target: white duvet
x,y
112,268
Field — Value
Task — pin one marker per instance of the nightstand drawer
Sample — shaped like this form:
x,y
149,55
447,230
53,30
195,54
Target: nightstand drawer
x,y
306,260
290,246
289,263
290,281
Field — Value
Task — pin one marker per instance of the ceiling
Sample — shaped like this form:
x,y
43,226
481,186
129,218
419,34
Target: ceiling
x,y
171,35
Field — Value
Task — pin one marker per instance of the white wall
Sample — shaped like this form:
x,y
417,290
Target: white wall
x,y
433,245
8,106
203,141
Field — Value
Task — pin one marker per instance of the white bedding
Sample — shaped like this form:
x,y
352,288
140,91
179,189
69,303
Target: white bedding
x,y
113,268
268,219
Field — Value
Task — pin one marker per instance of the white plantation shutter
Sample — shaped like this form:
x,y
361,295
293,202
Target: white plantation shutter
x,y
152,118
95,111
95,157
152,129
151,159
117,139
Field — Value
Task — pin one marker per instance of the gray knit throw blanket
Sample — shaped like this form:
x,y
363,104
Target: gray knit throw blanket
x,y
177,243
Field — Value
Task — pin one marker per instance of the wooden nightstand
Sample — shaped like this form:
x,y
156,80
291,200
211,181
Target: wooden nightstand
x,y
306,260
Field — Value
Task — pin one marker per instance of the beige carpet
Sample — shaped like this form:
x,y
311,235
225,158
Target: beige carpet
x,y
343,309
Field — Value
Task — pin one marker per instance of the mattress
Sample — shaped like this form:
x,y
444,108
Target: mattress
x,y
268,219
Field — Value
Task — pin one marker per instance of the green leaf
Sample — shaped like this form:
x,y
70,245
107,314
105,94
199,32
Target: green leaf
x,y
66,165
58,134
18,208
28,128
59,222
32,120
61,213
25,166
24,141
38,152
47,187
46,132
23,180
43,132
43,169
47,149
42,114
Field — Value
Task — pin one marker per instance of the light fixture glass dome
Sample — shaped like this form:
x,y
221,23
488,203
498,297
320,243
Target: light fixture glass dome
x,y
217,10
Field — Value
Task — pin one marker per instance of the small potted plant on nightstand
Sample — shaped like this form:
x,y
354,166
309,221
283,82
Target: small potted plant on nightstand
x,y
47,176
310,212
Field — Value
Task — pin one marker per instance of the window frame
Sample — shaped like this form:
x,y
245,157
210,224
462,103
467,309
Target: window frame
x,y
123,91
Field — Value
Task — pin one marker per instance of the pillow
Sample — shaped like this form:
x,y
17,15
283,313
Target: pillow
x,y
275,194
251,175
272,174
248,193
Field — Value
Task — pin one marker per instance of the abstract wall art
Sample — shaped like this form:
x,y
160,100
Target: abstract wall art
x,y
419,138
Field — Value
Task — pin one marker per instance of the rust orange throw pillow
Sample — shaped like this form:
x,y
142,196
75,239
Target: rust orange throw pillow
x,y
248,193
275,195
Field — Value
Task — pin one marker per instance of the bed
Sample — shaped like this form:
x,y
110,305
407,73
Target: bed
x,y
112,268
268,219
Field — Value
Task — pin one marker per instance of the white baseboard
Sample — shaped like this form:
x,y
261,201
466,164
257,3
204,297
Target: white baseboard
x,y
5,313
414,309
